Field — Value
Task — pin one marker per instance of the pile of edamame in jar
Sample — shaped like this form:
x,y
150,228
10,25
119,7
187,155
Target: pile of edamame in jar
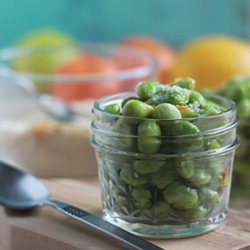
x,y
237,88
152,124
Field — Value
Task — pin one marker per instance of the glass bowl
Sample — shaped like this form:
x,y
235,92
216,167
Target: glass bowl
x,y
181,186
76,74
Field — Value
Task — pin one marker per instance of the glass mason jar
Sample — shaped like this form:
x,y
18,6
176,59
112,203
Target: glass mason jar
x,y
180,185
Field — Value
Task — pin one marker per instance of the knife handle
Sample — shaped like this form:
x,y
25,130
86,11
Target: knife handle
x,y
103,226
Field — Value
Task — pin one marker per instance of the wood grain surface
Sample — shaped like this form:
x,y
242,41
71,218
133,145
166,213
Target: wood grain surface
x,y
46,228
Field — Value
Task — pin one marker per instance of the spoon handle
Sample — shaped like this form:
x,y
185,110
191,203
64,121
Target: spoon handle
x,y
103,226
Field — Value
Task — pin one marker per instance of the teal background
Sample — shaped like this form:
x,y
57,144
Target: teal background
x,y
175,22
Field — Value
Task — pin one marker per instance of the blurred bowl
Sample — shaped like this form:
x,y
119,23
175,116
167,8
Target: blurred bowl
x,y
80,71
77,74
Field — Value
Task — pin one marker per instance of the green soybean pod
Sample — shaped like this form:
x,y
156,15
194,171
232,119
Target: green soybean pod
x,y
186,83
125,129
149,132
180,195
176,95
138,109
164,177
122,126
211,143
166,111
208,109
124,101
185,167
161,210
147,89
209,196
122,203
196,212
195,96
215,165
132,178
113,108
216,168
243,108
215,105
200,178
186,111
191,134
142,198
237,88
147,166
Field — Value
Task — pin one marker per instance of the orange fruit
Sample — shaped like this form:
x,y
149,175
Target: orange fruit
x,y
212,60
163,52
86,65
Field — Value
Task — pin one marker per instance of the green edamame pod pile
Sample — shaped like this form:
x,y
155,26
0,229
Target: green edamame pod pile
x,y
154,178
237,88
162,103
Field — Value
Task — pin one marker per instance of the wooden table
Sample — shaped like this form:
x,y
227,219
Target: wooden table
x,y
45,228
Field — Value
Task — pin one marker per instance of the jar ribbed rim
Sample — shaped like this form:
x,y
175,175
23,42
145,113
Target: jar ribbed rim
x,y
231,106
219,151
208,133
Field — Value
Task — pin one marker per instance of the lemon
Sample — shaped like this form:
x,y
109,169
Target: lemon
x,y
212,60
45,37
43,58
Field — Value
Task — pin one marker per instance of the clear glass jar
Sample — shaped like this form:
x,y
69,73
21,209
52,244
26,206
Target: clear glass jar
x,y
179,188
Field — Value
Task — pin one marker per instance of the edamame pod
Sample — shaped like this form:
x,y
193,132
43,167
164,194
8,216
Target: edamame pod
x,y
180,195
138,109
148,137
145,90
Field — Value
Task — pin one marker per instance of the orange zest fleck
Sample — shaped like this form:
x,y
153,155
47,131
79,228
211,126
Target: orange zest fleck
x,y
182,107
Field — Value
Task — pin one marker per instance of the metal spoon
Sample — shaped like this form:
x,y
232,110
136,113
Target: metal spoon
x,y
53,106
20,190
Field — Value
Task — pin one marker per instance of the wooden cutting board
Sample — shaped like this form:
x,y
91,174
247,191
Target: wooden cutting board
x,y
44,228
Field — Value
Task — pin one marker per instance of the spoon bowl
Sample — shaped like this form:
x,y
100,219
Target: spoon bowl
x,y
52,105
20,190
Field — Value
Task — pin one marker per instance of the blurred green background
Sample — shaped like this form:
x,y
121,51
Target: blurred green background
x,y
175,22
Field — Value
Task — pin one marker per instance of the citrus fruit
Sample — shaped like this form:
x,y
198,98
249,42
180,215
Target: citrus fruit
x,y
212,60
163,52
45,37
42,55
87,65
40,59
